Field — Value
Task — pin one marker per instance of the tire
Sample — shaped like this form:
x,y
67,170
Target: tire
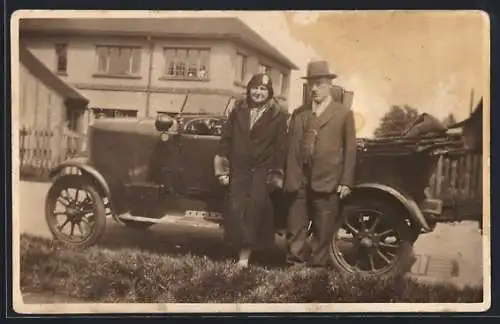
x,y
373,257
75,215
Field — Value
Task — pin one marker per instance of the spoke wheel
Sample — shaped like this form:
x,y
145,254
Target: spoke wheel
x,y
372,240
75,212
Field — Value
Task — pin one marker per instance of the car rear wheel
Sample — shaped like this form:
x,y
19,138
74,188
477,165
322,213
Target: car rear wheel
x,y
75,212
372,239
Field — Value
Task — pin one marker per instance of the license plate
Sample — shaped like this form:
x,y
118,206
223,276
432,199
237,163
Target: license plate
x,y
202,214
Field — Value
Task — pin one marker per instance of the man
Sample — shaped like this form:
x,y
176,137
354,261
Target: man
x,y
319,168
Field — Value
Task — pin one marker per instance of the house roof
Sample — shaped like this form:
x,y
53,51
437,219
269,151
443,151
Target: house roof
x,y
208,27
49,78
475,117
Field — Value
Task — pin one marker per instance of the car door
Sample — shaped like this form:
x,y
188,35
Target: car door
x,y
165,163
198,145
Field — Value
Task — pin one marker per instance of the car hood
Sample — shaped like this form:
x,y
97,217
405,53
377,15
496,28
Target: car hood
x,y
125,125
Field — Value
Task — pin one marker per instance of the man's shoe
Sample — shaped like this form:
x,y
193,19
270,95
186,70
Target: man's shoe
x,y
295,262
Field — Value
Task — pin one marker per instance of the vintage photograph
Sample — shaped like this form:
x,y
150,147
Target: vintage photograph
x,y
264,161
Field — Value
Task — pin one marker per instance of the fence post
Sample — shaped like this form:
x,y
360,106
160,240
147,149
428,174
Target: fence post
x,y
22,148
38,151
439,177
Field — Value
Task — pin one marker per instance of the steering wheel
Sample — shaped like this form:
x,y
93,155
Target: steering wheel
x,y
204,126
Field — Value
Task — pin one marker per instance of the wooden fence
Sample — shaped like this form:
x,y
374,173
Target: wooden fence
x,y
40,150
458,181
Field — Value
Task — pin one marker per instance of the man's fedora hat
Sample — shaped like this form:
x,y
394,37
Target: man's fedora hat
x,y
318,69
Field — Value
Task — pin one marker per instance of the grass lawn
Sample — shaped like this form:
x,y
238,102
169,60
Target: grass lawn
x,y
134,276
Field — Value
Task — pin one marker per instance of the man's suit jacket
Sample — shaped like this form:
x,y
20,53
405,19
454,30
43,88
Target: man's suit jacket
x,y
334,158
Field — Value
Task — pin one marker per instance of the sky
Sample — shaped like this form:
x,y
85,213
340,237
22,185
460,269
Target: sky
x,y
428,60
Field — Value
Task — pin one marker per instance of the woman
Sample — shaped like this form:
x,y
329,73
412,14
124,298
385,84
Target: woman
x,y
250,161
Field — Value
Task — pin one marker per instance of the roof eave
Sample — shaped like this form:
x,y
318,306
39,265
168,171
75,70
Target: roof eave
x,y
279,58
32,63
220,36
475,115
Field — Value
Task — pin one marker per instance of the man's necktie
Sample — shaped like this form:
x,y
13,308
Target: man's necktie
x,y
314,131
310,138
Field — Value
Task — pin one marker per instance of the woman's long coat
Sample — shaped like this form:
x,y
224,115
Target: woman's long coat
x,y
253,155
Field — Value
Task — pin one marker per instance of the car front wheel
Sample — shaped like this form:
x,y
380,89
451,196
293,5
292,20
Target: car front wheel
x,y
75,212
372,239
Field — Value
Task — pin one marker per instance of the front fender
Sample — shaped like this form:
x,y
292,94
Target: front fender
x,y
81,166
405,200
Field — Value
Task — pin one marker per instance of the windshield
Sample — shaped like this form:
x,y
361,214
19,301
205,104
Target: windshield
x,y
210,104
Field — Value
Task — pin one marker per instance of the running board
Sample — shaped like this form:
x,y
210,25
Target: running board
x,y
173,219
185,220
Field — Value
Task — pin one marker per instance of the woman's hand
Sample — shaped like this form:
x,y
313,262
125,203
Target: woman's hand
x,y
343,191
275,180
224,180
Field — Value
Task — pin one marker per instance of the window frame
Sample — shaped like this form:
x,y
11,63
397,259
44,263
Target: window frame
x,y
266,68
73,119
58,52
279,83
106,72
285,79
203,57
112,112
240,75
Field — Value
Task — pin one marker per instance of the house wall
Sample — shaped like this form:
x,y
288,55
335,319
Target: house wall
x,y
130,93
254,59
220,55
39,106
82,59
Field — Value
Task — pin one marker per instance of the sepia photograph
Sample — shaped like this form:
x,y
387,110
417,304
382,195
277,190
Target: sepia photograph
x,y
250,161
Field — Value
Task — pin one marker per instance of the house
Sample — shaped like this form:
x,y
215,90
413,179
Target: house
x,y
47,102
140,67
472,129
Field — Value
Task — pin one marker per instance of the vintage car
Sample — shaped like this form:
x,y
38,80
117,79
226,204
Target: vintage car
x,y
161,170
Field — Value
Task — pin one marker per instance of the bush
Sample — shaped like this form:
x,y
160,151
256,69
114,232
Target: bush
x,y
134,276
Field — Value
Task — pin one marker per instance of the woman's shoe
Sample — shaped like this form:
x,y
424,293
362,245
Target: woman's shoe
x,y
242,264
244,257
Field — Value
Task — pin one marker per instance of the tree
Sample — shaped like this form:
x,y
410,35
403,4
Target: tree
x,y
449,120
396,120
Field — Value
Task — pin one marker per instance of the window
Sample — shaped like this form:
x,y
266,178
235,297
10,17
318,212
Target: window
x,y
240,68
73,119
210,104
283,83
113,113
279,83
124,113
118,60
186,63
264,69
61,58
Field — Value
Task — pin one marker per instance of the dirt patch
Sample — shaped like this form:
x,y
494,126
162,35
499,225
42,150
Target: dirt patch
x,y
460,242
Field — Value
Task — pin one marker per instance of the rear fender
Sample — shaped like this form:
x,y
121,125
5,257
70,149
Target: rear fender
x,y
80,166
415,214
